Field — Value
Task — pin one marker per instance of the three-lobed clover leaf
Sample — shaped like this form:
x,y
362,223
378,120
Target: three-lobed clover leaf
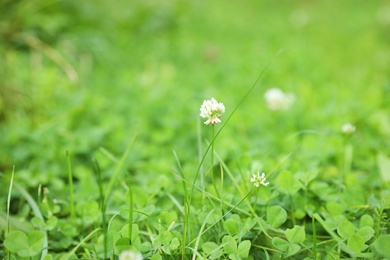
x,y
25,245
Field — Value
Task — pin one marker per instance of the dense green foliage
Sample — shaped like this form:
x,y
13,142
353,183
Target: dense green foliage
x,y
102,148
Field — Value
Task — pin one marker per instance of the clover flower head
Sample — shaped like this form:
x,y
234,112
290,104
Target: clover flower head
x,y
130,255
212,110
276,99
348,128
259,179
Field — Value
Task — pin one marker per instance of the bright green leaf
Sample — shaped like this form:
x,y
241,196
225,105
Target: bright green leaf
x,y
243,249
122,244
384,167
106,244
156,257
366,221
366,233
48,257
16,241
175,243
208,247
346,229
276,215
296,235
212,249
145,247
166,237
354,196
166,250
356,243
307,177
90,211
51,223
234,257
381,245
36,239
334,208
292,249
25,246
288,183
134,231
280,244
230,244
231,226
249,224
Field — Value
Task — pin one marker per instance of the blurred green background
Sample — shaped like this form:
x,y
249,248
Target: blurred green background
x,y
81,75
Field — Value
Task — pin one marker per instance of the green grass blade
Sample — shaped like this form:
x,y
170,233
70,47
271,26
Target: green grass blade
x,y
70,253
119,167
9,197
195,249
103,204
131,208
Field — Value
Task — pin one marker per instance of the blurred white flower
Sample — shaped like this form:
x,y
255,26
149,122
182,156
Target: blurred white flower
x,y
299,18
130,255
383,15
348,128
212,110
276,99
259,179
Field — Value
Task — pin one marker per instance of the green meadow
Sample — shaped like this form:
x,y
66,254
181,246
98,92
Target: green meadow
x,y
104,154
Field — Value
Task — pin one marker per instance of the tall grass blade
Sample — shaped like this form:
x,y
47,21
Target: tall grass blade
x,y
185,206
119,167
9,197
200,234
131,207
103,204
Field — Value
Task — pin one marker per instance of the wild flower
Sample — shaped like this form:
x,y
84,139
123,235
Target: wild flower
x,y
276,99
130,255
348,128
259,179
212,110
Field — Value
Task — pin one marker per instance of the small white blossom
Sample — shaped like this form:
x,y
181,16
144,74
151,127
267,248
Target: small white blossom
x,y
130,255
348,128
276,99
212,110
259,179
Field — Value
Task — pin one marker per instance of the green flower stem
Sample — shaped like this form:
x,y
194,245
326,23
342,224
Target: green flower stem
x,y
348,154
131,205
255,203
212,159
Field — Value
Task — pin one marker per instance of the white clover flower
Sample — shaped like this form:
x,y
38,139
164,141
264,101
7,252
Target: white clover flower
x,y
130,255
259,179
212,110
348,128
276,99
